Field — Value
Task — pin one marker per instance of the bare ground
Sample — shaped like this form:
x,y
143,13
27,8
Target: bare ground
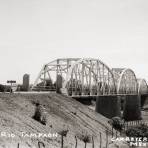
x,y
17,110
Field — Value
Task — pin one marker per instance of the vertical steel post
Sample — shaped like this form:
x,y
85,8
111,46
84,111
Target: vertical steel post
x,y
90,88
82,78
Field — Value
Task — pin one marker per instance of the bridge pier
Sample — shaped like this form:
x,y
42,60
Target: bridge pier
x,y
132,108
109,105
144,98
58,84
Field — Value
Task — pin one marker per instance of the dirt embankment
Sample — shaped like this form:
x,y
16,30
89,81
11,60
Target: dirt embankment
x,y
16,111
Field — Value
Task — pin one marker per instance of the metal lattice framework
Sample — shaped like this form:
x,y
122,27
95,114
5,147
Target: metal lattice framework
x,y
126,81
48,75
84,77
79,77
142,86
90,77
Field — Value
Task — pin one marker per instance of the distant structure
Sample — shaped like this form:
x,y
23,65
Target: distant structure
x,y
26,82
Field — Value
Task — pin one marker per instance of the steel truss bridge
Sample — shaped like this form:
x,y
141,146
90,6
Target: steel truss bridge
x,y
88,77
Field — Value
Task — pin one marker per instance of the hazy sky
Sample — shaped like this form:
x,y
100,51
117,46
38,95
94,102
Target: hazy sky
x,y
35,32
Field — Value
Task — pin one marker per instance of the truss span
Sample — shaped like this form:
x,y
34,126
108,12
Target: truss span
x,y
126,81
142,86
78,77
89,77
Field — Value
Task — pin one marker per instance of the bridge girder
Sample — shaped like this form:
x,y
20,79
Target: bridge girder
x,y
88,76
142,86
126,81
51,70
79,76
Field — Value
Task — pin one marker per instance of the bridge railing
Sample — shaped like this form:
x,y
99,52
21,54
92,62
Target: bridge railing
x,y
44,88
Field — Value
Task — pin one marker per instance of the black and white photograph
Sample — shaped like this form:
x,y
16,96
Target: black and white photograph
x,y
73,74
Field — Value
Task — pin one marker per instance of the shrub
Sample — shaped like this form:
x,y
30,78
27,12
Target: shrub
x,y
117,123
85,137
139,131
40,114
2,88
63,132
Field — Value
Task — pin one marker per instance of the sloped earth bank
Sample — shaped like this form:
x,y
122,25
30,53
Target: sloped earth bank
x,y
16,122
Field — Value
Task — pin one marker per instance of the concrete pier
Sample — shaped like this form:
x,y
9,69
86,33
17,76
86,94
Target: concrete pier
x,y
59,84
109,106
132,108
144,99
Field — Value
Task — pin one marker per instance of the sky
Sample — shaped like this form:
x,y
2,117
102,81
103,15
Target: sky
x,y
35,32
